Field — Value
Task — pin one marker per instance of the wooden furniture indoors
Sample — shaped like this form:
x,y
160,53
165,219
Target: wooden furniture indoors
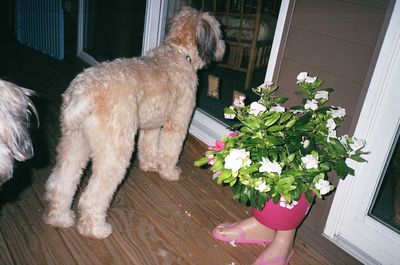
x,y
249,27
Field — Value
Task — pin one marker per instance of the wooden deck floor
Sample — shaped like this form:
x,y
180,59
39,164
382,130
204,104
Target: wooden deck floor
x,y
154,221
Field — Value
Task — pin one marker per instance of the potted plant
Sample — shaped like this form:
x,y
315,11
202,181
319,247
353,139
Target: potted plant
x,y
281,156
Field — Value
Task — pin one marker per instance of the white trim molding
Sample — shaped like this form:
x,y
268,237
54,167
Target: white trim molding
x,y
349,224
276,44
206,128
154,24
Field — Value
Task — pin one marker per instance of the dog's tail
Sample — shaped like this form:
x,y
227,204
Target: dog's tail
x,y
76,106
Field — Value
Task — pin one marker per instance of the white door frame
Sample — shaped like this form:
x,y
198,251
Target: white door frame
x,y
348,224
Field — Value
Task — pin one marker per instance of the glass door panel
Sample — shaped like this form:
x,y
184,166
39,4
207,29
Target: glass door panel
x,y
248,27
386,207
113,29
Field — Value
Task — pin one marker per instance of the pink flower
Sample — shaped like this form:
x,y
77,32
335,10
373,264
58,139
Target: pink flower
x,y
239,101
219,145
233,134
211,159
216,174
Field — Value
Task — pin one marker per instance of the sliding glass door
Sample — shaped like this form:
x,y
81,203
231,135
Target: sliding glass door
x,y
364,218
123,28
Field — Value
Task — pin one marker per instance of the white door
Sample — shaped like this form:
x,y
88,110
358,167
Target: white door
x,y
355,222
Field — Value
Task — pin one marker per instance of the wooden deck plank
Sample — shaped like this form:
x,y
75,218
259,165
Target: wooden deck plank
x,y
186,236
130,243
28,239
5,254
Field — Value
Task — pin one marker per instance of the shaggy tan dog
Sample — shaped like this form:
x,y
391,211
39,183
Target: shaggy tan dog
x,y
105,106
15,141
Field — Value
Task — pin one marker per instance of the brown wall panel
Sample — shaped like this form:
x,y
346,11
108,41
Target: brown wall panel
x,y
339,57
346,91
343,20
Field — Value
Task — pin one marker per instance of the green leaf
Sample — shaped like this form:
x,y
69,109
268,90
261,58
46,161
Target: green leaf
x,y
201,162
225,174
285,116
358,158
276,128
233,182
276,198
252,123
262,198
341,168
309,196
304,127
290,123
250,169
274,140
270,120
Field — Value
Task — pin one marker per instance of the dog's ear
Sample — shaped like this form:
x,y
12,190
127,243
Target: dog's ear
x,y
206,41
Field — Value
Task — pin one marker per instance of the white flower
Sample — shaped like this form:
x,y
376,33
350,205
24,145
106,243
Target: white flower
x,y
236,159
230,116
269,167
301,77
262,186
343,140
330,124
310,80
311,104
256,108
331,134
277,108
338,113
296,111
283,203
323,186
239,101
305,143
357,144
261,87
322,94
309,161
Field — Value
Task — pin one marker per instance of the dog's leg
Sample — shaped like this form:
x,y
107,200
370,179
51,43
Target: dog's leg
x,y
112,149
72,157
172,136
148,149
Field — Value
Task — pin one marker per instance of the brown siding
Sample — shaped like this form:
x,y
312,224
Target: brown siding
x,y
336,41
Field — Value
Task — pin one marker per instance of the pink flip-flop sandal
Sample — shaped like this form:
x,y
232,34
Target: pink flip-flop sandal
x,y
274,261
238,231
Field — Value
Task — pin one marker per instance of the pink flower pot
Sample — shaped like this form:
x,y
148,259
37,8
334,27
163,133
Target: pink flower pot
x,y
283,216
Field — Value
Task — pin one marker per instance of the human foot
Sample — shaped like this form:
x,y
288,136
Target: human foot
x,y
280,251
248,231
262,260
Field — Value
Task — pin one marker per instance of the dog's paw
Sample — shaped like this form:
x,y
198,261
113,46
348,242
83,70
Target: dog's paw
x,y
170,174
62,219
148,167
94,230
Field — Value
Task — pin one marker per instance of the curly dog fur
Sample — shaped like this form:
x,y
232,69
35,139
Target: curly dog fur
x,y
105,105
15,141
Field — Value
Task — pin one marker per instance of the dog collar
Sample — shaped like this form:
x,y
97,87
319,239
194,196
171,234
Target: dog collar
x,y
183,54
